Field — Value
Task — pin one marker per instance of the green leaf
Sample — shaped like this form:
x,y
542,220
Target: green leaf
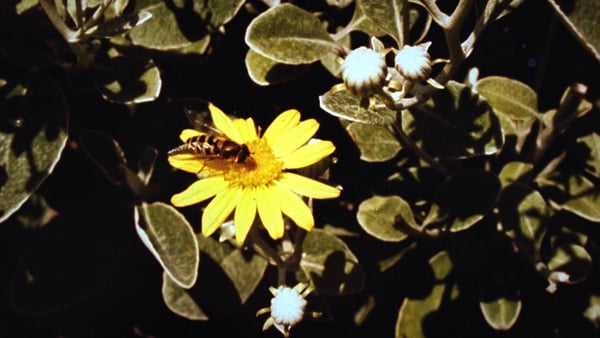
x,y
180,301
387,14
244,271
341,103
289,34
376,143
33,115
128,79
265,71
524,215
591,147
329,263
379,217
515,171
362,22
592,312
508,96
119,25
581,18
454,123
222,11
414,311
502,313
572,260
575,193
165,31
463,200
170,238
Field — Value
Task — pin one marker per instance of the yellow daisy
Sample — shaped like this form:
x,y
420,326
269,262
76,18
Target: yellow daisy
x,y
260,182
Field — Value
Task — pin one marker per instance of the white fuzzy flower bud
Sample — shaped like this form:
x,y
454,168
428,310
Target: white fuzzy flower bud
x,y
414,62
364,71
287,307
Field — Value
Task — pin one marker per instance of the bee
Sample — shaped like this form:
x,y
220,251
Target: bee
x,y
212,145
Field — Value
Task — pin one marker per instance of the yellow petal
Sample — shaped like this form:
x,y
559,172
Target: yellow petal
x,y
295,137
219,209
199,191
246,128
269,211
244,214
281,125
186,134
224,124
306,186
187,162
307,155
295,208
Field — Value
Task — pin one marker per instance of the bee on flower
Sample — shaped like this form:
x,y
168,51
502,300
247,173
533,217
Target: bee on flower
x,y
247,174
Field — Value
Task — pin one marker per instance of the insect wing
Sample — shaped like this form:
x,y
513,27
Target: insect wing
x,y
201,120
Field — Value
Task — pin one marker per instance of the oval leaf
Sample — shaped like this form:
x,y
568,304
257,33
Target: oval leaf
x,y
222,11
244,271
376,143
164,31
330,265
501,313
454,123
575,193
387,14
265,71
106,153
170,238
127,79
464,199
591,147
414,311
379,217
515,171
572,260
180,301
343,104
523,213
289,34
34,119
581,20
508,96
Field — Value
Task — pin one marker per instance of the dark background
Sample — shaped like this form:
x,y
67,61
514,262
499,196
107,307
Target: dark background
x,y
98,280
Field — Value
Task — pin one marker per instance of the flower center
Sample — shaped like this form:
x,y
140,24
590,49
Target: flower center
x,y
261,168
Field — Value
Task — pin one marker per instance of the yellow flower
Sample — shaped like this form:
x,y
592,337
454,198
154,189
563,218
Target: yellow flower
x,y
259,183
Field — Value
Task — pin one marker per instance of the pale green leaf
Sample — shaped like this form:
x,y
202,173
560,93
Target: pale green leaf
x,y
289,34
575,193
582,20
502,313
387,14
591,149
180,301
508,96
379,217
463,200
572,260
341,103
222,11
170,238
524,214
244,271
163,31
515,171
414,311
265,71
34,116
454,123
376,143
128,79
330,265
